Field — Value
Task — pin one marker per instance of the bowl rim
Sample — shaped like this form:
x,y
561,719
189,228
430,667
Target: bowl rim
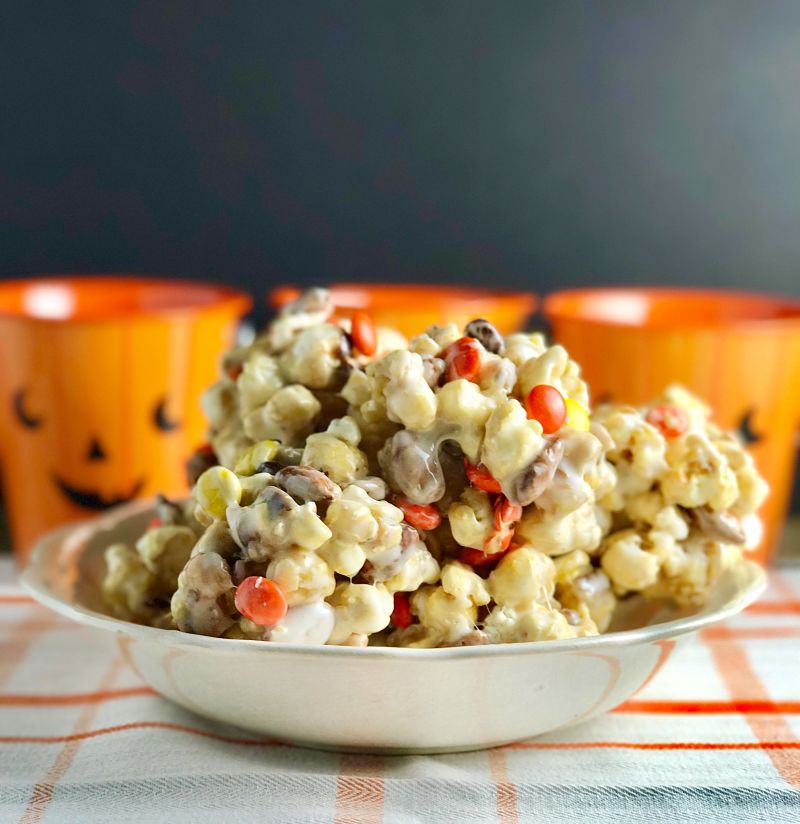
x,y
49,546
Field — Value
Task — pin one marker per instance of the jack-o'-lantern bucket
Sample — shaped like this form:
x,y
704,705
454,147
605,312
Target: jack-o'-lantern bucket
x,y
100,383
739,352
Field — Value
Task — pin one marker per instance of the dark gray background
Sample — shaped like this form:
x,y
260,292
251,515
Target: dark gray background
x,y
533,144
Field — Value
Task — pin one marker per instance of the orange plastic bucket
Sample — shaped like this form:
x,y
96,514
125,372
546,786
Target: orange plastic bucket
x,y
738,351
100,379
411,308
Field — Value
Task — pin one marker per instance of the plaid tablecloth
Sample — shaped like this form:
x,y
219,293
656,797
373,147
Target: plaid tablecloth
x,y
715,736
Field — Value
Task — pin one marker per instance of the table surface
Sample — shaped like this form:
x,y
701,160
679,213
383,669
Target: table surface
x,y
715,736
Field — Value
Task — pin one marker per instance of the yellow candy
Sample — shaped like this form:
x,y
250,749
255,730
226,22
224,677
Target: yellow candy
x,y
577,415
255,455
217,489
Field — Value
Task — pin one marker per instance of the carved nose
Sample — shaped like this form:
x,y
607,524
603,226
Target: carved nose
x,y
96,452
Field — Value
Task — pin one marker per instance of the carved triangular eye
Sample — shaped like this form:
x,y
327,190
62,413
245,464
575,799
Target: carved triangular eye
x,y
25,418
161,419
746,428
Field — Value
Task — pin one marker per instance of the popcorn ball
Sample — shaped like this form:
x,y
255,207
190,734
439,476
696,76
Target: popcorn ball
x,y
455,490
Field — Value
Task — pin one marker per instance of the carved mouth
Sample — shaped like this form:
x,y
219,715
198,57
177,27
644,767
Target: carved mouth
x,y
93,500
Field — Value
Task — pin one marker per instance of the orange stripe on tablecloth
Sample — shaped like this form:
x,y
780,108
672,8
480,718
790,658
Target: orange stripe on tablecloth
x,y
526,745
743,633
775,608
65,699
136,725
505,790
42,793
769,746
18,644
359,790
710,707
633,706
16,599
742,681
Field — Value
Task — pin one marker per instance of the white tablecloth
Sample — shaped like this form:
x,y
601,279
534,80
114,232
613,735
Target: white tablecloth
x,y
715,736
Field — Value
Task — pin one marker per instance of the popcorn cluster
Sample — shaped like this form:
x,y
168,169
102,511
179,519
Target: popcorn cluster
x,y
452,490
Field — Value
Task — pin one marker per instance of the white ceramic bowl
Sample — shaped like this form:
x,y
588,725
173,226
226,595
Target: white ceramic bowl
x,y
375,699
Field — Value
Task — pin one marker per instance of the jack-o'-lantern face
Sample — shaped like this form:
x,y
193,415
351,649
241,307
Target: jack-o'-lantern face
x,y
91,427
96,451
100,384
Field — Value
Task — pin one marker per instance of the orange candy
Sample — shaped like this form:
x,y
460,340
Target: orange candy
x,y
480,477
463,359
671,421
477,557
506,513
480,560
261,600
421,516
363,333
401,615
546,405
506,516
